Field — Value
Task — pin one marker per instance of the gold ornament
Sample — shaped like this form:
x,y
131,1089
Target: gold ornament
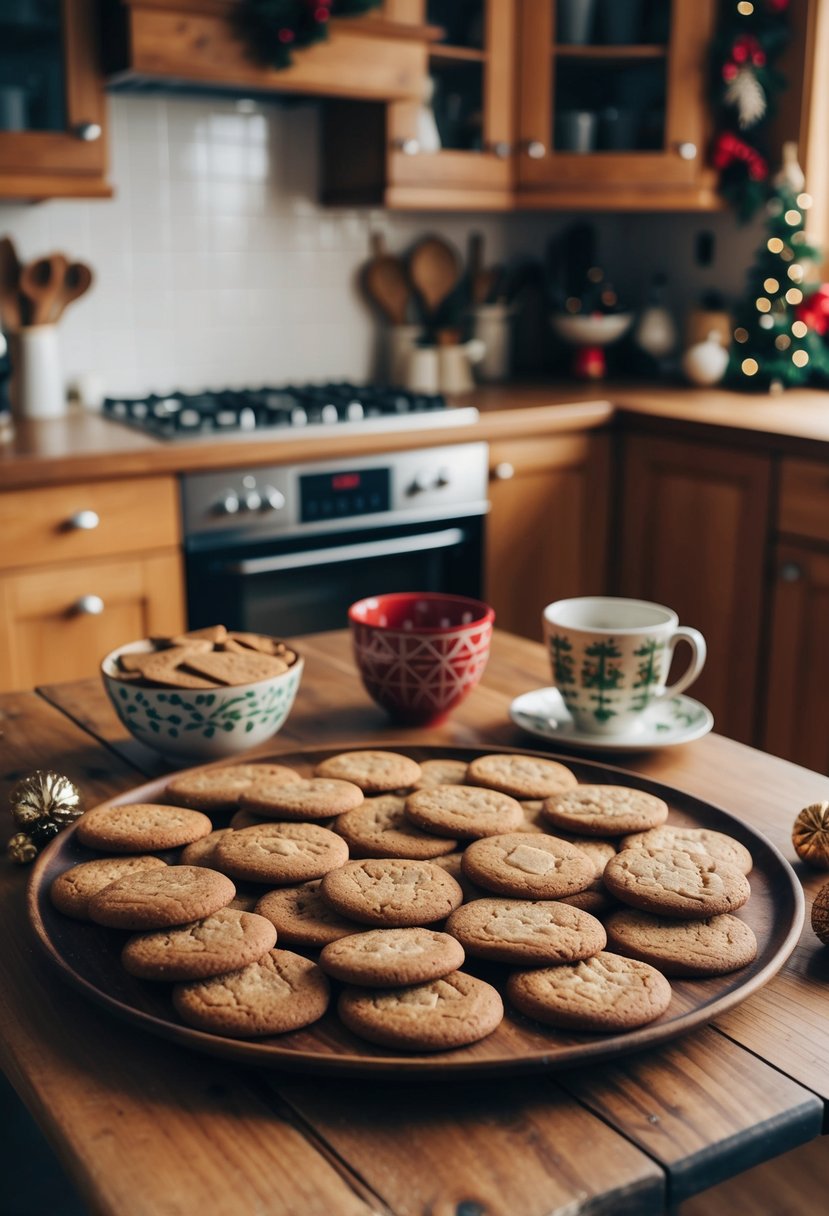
x,y
820,914
45,798
21,849
810,836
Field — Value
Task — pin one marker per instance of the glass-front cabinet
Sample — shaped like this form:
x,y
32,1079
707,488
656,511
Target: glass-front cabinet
x,y
613,102
51,100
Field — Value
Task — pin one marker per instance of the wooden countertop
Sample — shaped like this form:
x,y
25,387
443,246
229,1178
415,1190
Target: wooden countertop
x,y
88,446
144,1127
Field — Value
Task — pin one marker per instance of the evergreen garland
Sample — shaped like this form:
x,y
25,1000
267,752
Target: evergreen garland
x,y
274,29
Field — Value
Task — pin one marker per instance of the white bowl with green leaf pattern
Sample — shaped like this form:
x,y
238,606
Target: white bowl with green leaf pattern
x,y
197,724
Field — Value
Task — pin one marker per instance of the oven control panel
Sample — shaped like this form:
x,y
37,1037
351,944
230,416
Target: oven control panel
x,y
335,495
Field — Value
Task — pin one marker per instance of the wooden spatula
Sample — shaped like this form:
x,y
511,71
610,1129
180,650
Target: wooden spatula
x,y
10,312
386,283
76,282
434,270
41,282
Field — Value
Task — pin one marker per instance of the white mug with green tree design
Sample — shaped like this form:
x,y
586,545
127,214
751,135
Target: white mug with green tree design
x,y
610,658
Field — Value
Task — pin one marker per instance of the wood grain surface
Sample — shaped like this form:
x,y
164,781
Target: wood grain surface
x,y
145,1127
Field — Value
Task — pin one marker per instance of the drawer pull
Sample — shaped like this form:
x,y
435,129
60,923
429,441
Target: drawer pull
x,y
535,149
790,572
89,132
83,521
89,605
503,471
687,150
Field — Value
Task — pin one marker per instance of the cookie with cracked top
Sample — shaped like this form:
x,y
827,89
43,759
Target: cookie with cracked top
x,y
436,1016
463,812
72,890
527,867
159,899
225,941
605,993
380,828
441,772
203,852
525,777
391,958
604,810
691,948
280,854
526,932
695,840
140,827
391,893
595,898
280,992
303,918
376,772
219,789
307,798
676,883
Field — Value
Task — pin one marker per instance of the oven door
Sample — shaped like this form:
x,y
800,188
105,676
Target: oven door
x,y
306,584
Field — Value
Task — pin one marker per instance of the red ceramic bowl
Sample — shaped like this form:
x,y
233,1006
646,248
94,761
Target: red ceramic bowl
x,y
419,654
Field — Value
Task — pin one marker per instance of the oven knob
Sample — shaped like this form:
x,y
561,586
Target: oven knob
x,y
252,500
229,505
444,477
274,499
422,482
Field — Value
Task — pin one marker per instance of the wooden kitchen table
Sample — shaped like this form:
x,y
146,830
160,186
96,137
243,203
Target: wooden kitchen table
x,y
145,1127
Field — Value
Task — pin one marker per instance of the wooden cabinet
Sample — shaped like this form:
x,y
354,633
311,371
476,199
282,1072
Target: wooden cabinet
x,y
621,120
52,110
84,568
548,524
693,535
377,156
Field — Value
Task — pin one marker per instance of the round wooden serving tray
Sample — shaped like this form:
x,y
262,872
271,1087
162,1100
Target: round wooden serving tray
x,y
88,956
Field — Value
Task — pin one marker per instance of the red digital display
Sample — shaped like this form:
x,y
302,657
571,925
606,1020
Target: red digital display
x,y
345,481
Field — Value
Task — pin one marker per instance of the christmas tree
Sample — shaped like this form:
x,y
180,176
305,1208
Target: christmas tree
x,y
776,344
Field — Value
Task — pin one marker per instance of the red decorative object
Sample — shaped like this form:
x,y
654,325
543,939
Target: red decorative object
x,y
589,363
814,310
420,654
729,149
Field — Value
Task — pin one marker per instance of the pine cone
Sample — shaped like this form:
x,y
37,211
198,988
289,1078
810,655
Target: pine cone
x,y
21,849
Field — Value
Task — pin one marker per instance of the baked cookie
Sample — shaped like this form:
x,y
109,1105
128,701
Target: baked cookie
x,y
391,958
673,882
605,993
526,932
140,827
245,819
379,828
463,811
307,798
527,867
452,863
596,897
219,789
158,899
301,916
203,852
605,810
280,853
693,840
374,772
450,1012
224,667
391,893
534,820
689,947
72,890
441,772
282,991
225,941
520,776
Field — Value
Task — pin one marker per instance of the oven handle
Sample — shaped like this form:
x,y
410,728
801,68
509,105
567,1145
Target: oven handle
x,y
346,553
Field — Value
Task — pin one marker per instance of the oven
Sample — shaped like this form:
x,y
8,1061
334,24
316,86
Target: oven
x,y
286,549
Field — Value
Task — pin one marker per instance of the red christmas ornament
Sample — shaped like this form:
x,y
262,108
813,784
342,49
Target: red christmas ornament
x,y
814,311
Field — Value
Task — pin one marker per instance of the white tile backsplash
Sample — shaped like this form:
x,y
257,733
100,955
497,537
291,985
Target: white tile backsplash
x,y
216,265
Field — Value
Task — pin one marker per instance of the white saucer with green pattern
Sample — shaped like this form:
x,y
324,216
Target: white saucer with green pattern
x,y
665,724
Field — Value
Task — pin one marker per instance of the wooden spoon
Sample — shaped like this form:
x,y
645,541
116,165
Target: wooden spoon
x,y
434,269
10,312
41,282
76,282
386,284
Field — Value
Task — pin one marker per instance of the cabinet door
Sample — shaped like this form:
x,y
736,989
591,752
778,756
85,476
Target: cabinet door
x,y
51,100
623,121
695,520
58,623
547,527
797,712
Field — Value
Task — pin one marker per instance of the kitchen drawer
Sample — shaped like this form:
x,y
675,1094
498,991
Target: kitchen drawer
x,y
804,499
58,623
93,519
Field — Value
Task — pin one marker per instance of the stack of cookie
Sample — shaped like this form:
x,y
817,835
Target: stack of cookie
x,y
213,657
388,876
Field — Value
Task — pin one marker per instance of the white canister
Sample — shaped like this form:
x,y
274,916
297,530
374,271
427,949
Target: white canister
x,y
493,326
38,377
422,374
455,365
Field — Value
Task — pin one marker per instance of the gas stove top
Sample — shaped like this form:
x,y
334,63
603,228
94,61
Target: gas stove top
x,y
289,412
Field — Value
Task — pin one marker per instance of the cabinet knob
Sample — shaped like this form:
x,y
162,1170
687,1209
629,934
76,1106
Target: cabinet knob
x,y
83,521
500,148
409,147
790,572
503,471
687,150
535,149
88,131
89,605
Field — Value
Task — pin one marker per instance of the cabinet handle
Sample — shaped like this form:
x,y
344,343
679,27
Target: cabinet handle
x,y
500,148
409,147
83,521
503,471
687,150
535,149
88,131
89,605
790,572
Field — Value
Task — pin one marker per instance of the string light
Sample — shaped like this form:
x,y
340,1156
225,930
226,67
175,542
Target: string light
x,y
798,238
750,367
792,217
804,201
794,295
767,322
763,305
745,8
771,285
800,329
741,335
800,358
787,255
795,273
572,304
775,245
782,341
